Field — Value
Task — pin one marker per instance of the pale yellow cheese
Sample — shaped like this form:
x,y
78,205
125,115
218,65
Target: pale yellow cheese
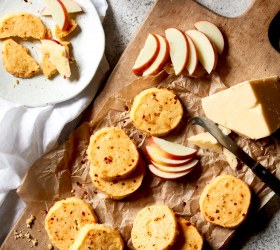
x,y
206,141
250,108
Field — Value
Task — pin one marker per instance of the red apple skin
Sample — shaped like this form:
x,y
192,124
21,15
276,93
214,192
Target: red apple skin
x,y
51,39
139,71
165,154
171,179
67,22
171,170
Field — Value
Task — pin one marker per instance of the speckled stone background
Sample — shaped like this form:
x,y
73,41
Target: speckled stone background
x,y
123,19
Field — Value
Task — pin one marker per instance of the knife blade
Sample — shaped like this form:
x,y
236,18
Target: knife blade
x,y
259,170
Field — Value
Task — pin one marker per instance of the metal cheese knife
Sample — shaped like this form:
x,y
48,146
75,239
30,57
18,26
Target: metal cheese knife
x,y
260,171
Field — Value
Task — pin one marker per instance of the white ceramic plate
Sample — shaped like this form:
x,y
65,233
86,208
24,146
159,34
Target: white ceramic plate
x,y
88,48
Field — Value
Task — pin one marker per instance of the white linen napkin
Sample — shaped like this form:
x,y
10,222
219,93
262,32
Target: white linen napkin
x,y
28,133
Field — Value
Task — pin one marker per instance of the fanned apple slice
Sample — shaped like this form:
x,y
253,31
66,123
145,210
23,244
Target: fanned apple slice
x,y
166,175
59,13
71,7
161,58
207,54
170,150
179,169
179,49
193,57
213,33
147,55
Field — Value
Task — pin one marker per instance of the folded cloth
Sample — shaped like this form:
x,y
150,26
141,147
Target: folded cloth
x,y
28,133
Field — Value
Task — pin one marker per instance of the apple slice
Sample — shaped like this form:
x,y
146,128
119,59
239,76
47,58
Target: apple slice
x,y
183,168
59,13
58,55
147,55
179,49
165,161
213,33
71,7
170,150
207,54
161,58
166,175
193,57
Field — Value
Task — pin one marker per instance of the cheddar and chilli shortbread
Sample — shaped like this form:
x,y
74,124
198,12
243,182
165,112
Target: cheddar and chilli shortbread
x,y
98,237
112,154
155,227
49,70
22,25
189,238
61,34
17,61
118,190
225,201
156,111
65,219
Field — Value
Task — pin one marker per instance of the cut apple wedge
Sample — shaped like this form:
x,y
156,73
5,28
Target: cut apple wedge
x,y
161,58
59,13
193,57
183,168
58,55
165,161
166,175
147,55
179,49
71,7
213,33
207,54
170,150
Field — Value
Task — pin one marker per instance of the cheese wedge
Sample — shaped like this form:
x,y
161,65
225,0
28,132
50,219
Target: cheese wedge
x,y
206,141
250,108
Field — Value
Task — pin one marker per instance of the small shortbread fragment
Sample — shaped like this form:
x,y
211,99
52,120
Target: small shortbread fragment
x,y
156,111
61,34
225,201
24,25
49,70
30,221
189,238
98,236
65,219
154,227
17,61
118,190
112,154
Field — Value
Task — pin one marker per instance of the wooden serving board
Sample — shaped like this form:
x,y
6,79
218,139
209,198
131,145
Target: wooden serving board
x,y
248,54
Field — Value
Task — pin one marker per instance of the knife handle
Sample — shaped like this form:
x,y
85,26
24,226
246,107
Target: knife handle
x,y
267,177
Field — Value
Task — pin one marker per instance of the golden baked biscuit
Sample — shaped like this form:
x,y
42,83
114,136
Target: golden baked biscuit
x,y
225,201
61,34
112,154
118,190
156,111
189,238
48,68
155,227
24,25
98,237
65,219
17,61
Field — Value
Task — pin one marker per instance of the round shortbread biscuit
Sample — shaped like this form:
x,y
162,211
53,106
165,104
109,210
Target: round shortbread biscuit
x,y
156,111
118,190
154,227
98,237
112,154
64,220
189,238
225,201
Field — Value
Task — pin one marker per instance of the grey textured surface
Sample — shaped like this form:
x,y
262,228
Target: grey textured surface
x,y
123,19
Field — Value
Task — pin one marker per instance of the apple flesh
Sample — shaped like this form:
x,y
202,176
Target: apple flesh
x,y
147,55
213,33
183,168
161,59
193,57
57,54
207,54
166,175
59,13
179,49
170,150
71,7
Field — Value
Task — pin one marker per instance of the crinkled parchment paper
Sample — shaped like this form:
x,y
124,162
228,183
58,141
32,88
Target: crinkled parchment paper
x,y
64,171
